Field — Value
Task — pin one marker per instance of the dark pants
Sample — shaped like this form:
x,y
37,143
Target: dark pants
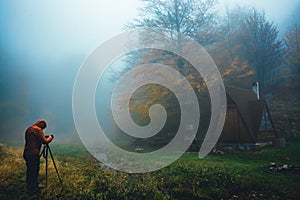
x,y
32,173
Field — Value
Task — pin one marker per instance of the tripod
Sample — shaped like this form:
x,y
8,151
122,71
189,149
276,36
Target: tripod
x,y
45,151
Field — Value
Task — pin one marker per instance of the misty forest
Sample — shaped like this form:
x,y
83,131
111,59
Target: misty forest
x,y
255,47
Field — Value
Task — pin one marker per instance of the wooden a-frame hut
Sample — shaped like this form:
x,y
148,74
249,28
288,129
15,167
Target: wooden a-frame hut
x,y
248,119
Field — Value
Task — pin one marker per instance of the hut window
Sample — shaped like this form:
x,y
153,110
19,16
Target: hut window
x,y
265,121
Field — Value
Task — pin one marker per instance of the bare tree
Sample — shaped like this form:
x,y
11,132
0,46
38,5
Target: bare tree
x,y
194,18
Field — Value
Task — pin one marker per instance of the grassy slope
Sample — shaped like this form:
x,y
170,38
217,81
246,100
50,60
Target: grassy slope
x,y
238,175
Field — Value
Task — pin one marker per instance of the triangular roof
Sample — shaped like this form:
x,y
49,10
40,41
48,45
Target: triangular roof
x,y
249,108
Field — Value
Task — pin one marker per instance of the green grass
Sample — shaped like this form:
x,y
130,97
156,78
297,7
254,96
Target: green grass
x,y
236,175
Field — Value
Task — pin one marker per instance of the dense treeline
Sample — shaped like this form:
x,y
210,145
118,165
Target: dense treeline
x,y
244,44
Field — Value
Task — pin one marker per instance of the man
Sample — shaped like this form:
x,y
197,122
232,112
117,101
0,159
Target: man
x,y
34,138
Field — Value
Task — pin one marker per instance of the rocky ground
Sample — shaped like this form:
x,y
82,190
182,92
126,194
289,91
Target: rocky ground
x,y
284,106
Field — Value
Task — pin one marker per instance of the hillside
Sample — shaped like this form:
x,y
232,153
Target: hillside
x,y
236,175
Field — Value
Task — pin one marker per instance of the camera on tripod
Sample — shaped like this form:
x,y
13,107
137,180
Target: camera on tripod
x,y
46,150
46,136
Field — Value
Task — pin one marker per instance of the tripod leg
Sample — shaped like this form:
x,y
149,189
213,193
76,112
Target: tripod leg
x,y
43,151
46,157
55,166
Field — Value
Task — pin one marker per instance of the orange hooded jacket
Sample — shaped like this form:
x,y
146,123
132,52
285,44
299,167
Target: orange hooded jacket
x,y
34,138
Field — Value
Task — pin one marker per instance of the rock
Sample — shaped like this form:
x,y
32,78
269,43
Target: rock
x,y
279,142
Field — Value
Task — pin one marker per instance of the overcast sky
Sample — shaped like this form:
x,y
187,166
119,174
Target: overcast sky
x,y
79,26
61,26
278,11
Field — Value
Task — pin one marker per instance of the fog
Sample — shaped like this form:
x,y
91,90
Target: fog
x,y
44,43
282,13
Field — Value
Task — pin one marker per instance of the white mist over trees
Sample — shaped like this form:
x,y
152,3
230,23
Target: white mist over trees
x,y
243,43
188,17
292,42
43,44
261,46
